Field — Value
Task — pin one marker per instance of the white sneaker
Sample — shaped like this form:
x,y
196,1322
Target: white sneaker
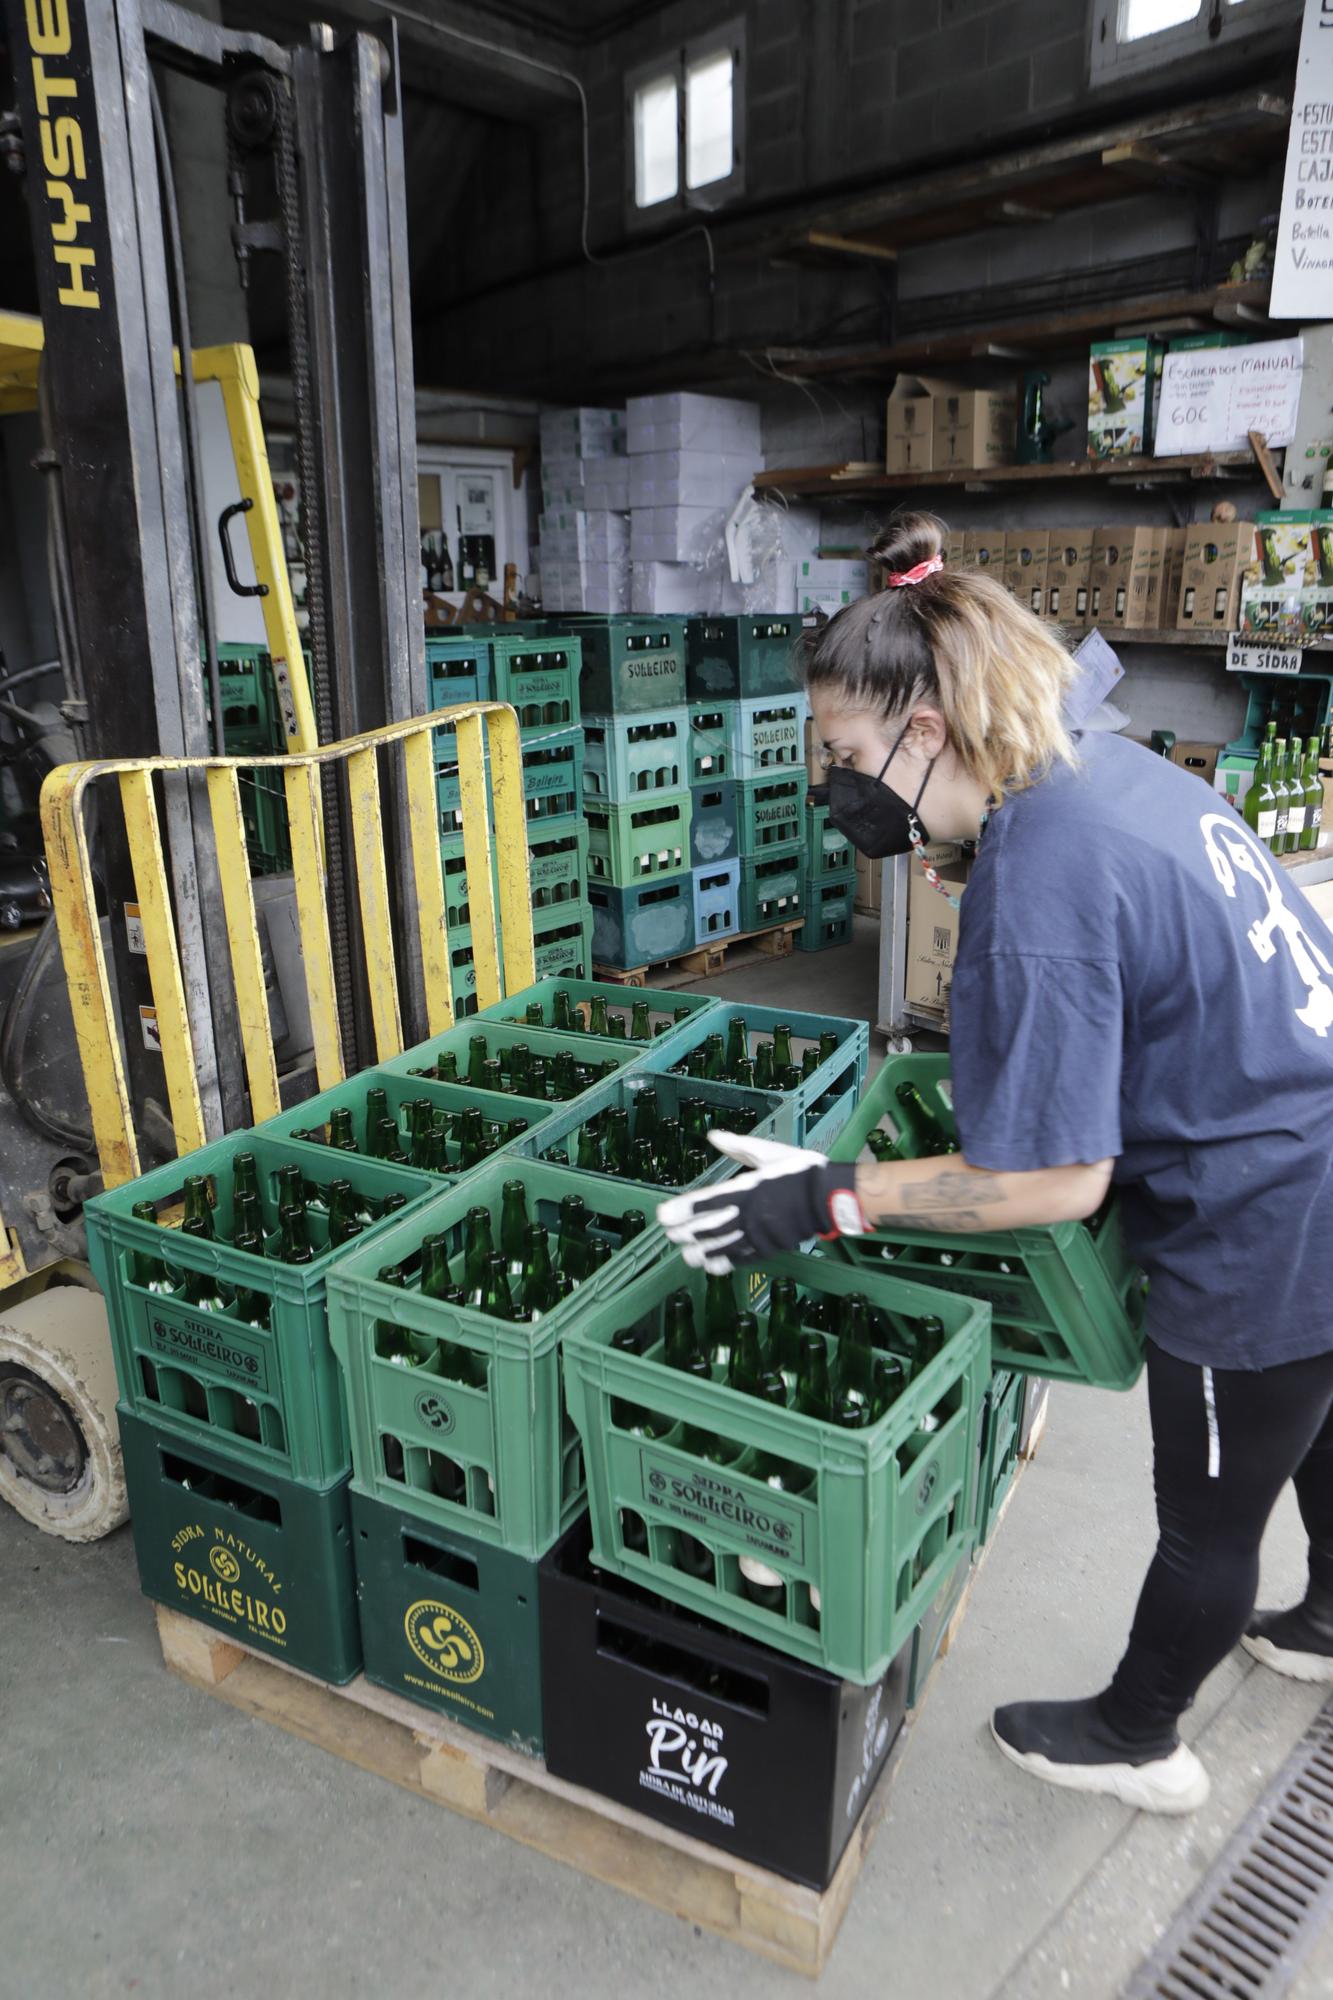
x,y
1285,1660
1068,1744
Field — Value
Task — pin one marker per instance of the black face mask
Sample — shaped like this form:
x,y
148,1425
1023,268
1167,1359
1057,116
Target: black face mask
x,y
876,820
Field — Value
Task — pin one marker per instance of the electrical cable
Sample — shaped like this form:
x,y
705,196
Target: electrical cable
x,y
29,673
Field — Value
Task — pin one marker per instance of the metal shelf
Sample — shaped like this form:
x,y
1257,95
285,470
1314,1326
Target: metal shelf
x,y
833,481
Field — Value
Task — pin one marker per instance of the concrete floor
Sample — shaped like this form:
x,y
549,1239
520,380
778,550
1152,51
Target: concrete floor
x,y
157,1843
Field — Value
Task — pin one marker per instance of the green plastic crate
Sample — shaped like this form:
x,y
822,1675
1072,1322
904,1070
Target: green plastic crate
x,y
501,1037
264,817
828,1093
661,1005
772,889
829,854
736,654
262,1559
264,1396
629,662
450,1622
539,677
862,1553
999,1447
631,757
399,1090
644,923
768,813
770,736
458,669
828,913
552,781
712,737
714,830
500,1460
557,862
1068,1300
557,1140
628,843
930,1634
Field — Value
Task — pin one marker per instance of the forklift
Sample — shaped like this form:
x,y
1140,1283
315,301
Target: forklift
x,y
144,1006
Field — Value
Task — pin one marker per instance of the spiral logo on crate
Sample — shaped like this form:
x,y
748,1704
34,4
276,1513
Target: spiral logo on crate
x,y
926,1489
218,1573
443,1640
685,1762
434,1413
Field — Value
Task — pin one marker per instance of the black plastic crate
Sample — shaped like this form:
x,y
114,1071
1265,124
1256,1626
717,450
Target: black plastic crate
x,y
702,1730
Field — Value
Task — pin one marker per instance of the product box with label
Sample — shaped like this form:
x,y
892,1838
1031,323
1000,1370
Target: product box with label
x,y
909,423
702,1730
1215,558
1068,576
1108,576
1272,590
932,933
1123,377
1143,597
974,428
953,548
1026,556
827,583
984,549
684,421
1200,758
1173,564
1317,594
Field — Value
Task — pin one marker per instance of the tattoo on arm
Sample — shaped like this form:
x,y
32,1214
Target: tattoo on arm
x,y
952,1198
961,1219
955,1185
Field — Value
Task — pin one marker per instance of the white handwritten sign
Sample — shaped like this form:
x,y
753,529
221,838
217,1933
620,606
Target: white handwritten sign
x,y
1303,271
1212,397
1244,657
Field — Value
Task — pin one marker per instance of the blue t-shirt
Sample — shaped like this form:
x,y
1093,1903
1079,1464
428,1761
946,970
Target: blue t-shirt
x,y
1136,977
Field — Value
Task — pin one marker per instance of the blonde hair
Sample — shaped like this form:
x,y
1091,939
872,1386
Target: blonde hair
x,y
958,640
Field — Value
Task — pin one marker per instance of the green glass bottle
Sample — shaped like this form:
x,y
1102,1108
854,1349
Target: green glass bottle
x,y
1314,792
642,1163
934,1140
696,1065
680,1341
646,1116
589,1156
828,1044
1259,808
539,1293
669,1153
478,1248
719,1318
377,1107
747,1370
882,1147
810,1060
1281,795
743,1073
618,1033
632,1223
640,1027
930,1338
477,1050
344,1222
632,1417
514,1230
244,1176
200,1290
446,1066
783,1345
393,1343
738,1043
854,1395
197,1219
294,1245
492,1075
616,1142
694,1120
698,1160
1295,780
814,1396
763,1066
539,1082
342,1135
782,1055
573,1251
564,1082
715,1058
149,1272
247,1224
520,1069
471,1138
497,1300
597,1021
891,1375
561,1017
600,1251
251,1308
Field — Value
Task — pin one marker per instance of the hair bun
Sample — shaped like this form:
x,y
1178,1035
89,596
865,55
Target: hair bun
x,y
906,540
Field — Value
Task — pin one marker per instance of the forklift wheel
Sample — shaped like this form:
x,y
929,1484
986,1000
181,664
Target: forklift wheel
x,y
60,1464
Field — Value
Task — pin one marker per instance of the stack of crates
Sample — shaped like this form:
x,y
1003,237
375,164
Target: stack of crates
x,y
747,769
830,883
636,789
252,724
538,673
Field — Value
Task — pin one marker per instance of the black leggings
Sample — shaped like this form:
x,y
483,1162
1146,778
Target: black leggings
x,y
1225,1443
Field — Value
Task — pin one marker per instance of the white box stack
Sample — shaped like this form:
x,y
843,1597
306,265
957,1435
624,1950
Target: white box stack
x,y
826,584
584,528
690,458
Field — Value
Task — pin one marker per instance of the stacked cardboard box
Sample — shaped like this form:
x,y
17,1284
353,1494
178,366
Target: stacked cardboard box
x,y
936,426
690,457
584,529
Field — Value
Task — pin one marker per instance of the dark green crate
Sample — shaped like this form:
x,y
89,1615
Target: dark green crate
x,y
712,737
770,736
266,1396
829,908
632,757
644,923
772,888
662,1006
450,1622
1068,1300
714,828
261,1559
646,837
557,1140
501,1037
264,817
1000,1430
817,1097
557,862
552,781
399,1090
830,856
769,812
861,1552
458,669
629,662
732,655
539,677
561,948
501,1459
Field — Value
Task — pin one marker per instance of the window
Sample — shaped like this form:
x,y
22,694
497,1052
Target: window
x,y
1129,36
685,114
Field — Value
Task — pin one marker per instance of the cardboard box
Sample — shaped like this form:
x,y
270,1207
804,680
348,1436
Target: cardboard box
x,y
1201,758
688,478
1173,563
953,548
1108,577
685,421
932,936
1215,558
814,769
1272,587
983,548
1144,596
909,423
1123,378
1069,576
1026,553
974,428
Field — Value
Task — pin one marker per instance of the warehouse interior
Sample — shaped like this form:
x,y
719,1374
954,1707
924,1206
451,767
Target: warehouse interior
x,y
556,363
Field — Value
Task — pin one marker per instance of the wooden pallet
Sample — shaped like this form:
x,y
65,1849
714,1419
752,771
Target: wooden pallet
x,y
516,1795
706,961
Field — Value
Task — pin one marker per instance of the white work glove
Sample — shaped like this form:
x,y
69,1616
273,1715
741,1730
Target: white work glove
x,y
791,1195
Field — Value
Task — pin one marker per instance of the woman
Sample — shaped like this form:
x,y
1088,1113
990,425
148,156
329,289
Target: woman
x,y
1139,997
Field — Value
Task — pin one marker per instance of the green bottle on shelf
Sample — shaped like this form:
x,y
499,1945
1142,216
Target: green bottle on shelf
x,y
1281,795
1259,809
1295,777
1314,792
